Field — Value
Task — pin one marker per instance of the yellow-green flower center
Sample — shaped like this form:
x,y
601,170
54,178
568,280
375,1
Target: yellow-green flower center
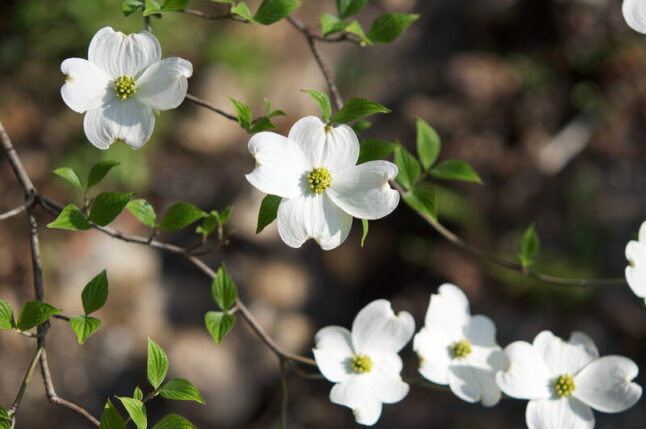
x,y
124,87
564,385
361,364
461,349
319,179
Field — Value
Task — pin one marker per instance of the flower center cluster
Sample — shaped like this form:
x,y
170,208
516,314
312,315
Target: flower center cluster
x,y
564,385
361,364
319,180
124,87
461,349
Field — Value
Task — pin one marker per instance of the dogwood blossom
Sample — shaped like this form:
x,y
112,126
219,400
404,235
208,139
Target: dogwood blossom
x,y
364,363
636,269
634,12
314,171
119,85
564,380
458,349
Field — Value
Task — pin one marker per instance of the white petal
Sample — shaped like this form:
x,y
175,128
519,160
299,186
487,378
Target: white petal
x,y
606,384
473,383
636,272
118,54
387,363
432,348
128,121
481,331
388,388
565,357
642,233
337,150
527,376
558,413
376,328
448,311
363,190
315,217
280,165
163,84
86,86
356,394
333,349
634,12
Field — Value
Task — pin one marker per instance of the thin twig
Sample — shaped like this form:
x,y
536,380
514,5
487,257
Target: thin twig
x,y
284,396
23,386
16,164
28,203
209,106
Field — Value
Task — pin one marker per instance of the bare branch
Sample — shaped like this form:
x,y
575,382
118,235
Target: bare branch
x,y
23,386
30,201
16,164
209,106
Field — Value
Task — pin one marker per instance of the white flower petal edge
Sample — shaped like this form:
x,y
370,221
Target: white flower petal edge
x,y
636,270
163,85
86,86
126,121
117,53
634,12
526,376
558,413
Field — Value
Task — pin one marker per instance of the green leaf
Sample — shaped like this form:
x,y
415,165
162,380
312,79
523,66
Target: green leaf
x,y
157,364
231,2
269,113
151,6
136,410
208,225
138,394
224,289
323,101
243,112
3,414
130,6
364,223
243,10
71,176
95,293
84,326
224,215
357,108
529,246
144,211
374,149
409,169
330,24
261,124
218,324
99,171
70,218
107,206
34,313
6,316
359,126
428,143
422,200
181,389
349,7
111,419
355,28
455,169
271,11
175,4
181,215
268,211
389,26
173,421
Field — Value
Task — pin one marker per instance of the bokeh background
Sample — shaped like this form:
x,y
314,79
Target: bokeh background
x,y
545,98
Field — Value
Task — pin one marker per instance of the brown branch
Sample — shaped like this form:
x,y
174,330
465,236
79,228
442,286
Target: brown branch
x,y
16,165
28,203
209,106
23,386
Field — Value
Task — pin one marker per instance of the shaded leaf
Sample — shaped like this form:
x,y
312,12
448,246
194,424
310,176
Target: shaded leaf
x,y
99,171
175,4
428,143
107,206
111,419
218,324
71,176
349,7
331,24
529,246
268,211
223,289
409,168
70,218
181,215
95,293
323,101
271,11
34,313
262,124
422,200
389,26
374,149
6,316
455,169
143,211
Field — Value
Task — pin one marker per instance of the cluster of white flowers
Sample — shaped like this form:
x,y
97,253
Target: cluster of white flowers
x,y
562,380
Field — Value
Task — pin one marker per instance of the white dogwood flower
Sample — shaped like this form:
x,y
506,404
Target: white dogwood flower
x,y
119,85
314,171
458,349
364,363
564,380
636,269
634,12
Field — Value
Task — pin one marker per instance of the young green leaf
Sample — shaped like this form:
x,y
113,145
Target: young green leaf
x,y
389,26
455,169
144,211
99,171
34,313
3,414
71,176
323,101
70,218
173,421
107,206
330,24
157,364
374,149
151,6
271,11
355,28
175,4
111,419
269,113
138,394
364,223
243,10
529,246
349,7
268,211
422,200
181,389
181,215
6,316
208,225
95,293
261,124
359,126
84,326
223,289
409,169
357,108
130,6
243,112
218,324
224,215
428,143
231,2
136,410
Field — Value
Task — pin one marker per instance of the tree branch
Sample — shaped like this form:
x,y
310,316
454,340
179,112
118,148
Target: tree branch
x,y
16,165
209,106
28,203
23,386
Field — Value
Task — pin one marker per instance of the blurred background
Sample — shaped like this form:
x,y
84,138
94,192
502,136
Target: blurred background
x,y
545,98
